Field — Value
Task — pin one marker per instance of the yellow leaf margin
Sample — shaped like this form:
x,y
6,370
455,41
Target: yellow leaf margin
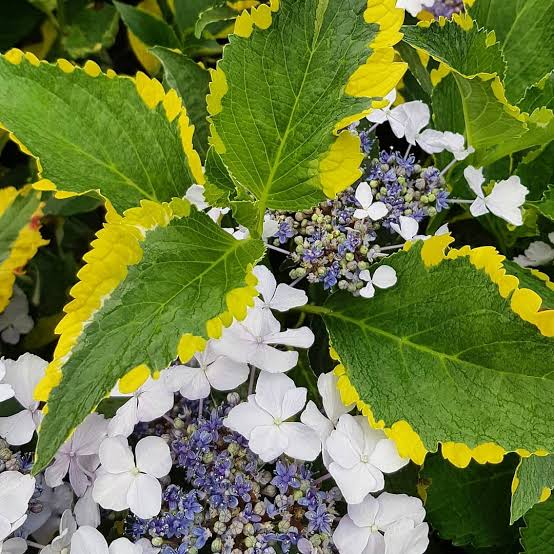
x,y
524,302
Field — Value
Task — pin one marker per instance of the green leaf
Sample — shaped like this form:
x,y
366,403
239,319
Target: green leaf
x,y
546,204
181,281
529,280
188,11
537,537
17,20
524,29
539,95
71,206
216,14
149,29
192,84
534,475
96,133
476,375
409,55
470,506
537,171
219,186
279,93
469,52
88,28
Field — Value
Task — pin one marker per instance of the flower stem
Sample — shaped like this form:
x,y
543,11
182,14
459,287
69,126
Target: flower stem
x,y
392,247
373,127
458,201
252,379
35,544
448,167
323,478
277,249
409,149
296,281
200,407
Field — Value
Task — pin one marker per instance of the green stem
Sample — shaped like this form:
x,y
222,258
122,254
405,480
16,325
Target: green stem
x,y
312,309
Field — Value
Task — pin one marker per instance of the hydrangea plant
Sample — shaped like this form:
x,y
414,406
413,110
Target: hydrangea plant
x,y
275,277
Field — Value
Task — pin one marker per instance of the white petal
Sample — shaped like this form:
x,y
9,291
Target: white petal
x,y
442,230
303,442
270,227
356,483
87,540
538,253
408,227
145,496
55,473
269,442
330,396
341,450
365,276
78,479
15,492
246,416
88,436
293,402
16,545
154,402
478,208
375,544
124,546
125,419
506,199
432,141
271,390
407,120
364,513
349,538
24,375
115,455
475,180
385,457
287,297
226,374
406,538
110,491
377,211
18,429
6,391
364,195
153,456
87,511
394,507
314,419
360,214
368,291
195,195
377,116
266,283
384,277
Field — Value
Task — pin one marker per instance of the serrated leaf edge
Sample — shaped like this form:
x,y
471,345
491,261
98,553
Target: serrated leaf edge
x,y
28,241
524,302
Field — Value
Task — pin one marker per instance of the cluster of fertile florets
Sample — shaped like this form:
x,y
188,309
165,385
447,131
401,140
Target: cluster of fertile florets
x,y
446,8
11,460
330,245
228,500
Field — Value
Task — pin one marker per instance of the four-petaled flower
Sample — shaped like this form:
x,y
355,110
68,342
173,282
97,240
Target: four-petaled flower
x,y
280,297
373,210
16,490
383,277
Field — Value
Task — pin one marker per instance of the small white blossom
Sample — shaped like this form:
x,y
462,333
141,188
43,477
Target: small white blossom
x,y
414,6
263,420
61,543
15,319
149,402
270,227
211,370
121,483
504,201
16,490
280,297
390,523
23,375
6,390
360,455
87,540
250,341
538,253
407,227
79,455
15,545
333,408
433,142
373,210
383,277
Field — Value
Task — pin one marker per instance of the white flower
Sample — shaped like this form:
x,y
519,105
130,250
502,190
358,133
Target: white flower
x,y
6,390
15,545
414,6
398,516
538,253
333,407
23,375
61,543
251,340
263,420
149,402
270,227
433,142
374,211
381,115
407,227
240,233
383,277
87,511
87,540
79,455
121,483
15,319
280,297
214,371
360,455
504,201
16,490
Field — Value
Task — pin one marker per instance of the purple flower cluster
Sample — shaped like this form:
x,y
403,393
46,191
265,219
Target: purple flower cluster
x,y
446,8
222,496
329,246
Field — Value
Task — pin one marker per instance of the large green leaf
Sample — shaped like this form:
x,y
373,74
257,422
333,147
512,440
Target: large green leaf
x,y
524,28
96,133
88,28
443,351
538,535
279,93
191,83
537,171
471,505
186,270
533,479
188,11
539,95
